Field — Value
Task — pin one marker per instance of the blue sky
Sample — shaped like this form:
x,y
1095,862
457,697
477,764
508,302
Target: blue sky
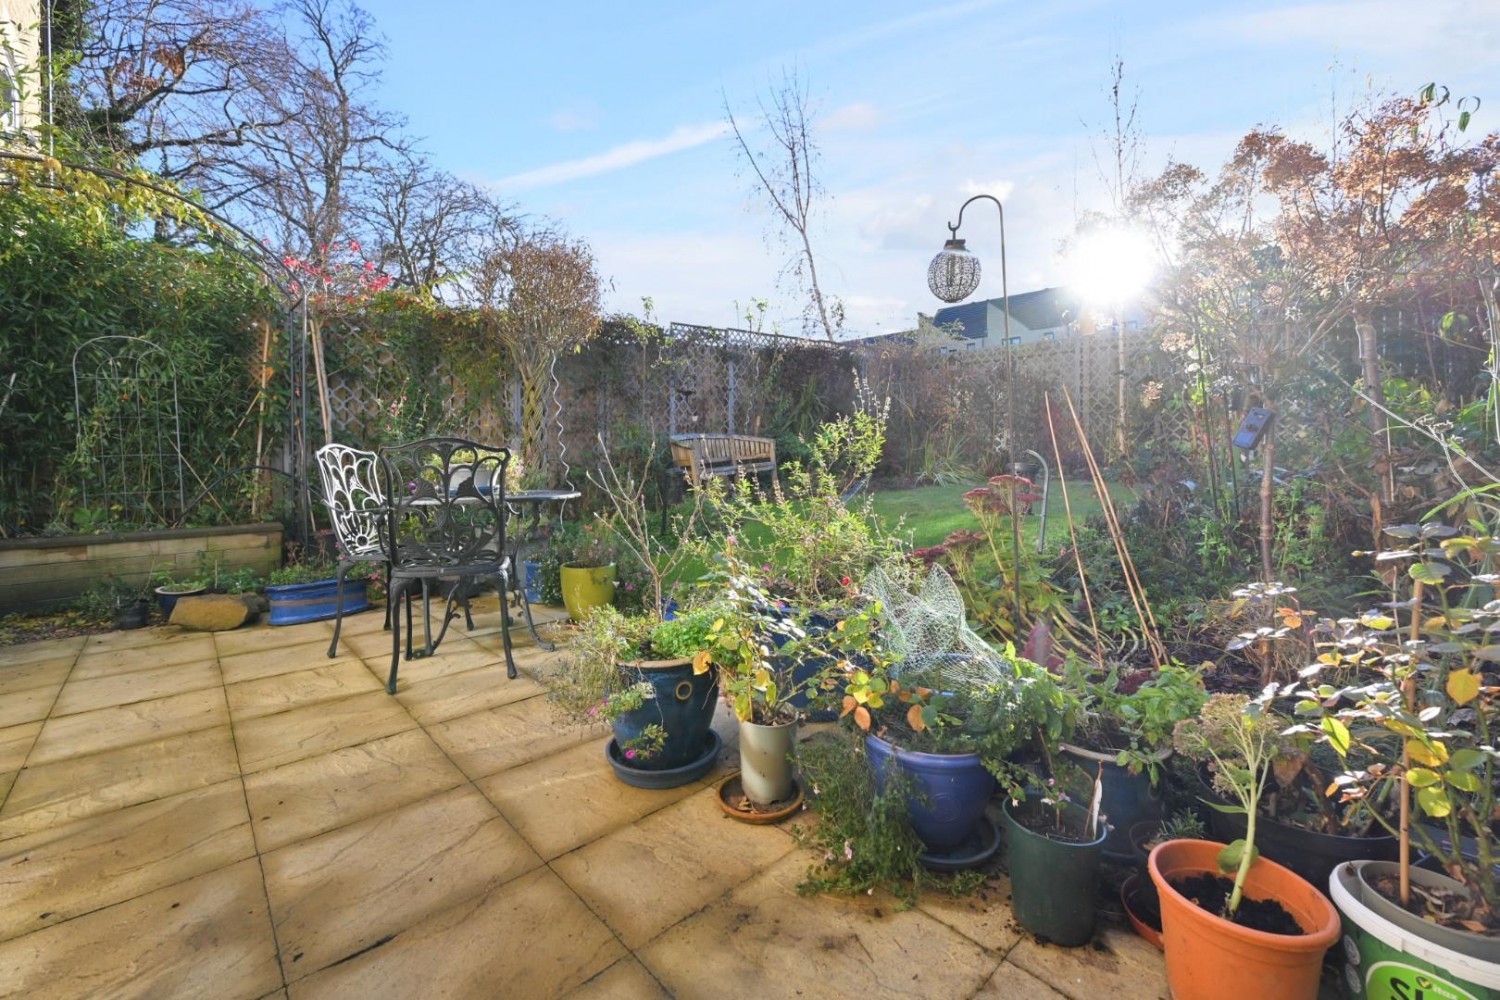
x,y
607,117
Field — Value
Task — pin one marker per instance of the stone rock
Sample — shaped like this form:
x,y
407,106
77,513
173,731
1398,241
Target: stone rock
x,y
216,612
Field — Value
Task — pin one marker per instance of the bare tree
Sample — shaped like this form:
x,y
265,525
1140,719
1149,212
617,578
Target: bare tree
x,y
178,85
784,174
305,176
429,228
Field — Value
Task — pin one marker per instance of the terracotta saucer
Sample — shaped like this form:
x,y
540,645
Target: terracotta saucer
x,y
732,800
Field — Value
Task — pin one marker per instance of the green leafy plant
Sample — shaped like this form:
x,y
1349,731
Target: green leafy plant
x,y
1238,739
1135,713
1416,702
811,540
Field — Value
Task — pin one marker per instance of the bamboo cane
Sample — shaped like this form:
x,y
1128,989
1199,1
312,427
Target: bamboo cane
x,y
1062,480
1127,565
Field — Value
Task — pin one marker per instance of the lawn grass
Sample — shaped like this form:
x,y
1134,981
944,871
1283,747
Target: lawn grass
x,y
928,514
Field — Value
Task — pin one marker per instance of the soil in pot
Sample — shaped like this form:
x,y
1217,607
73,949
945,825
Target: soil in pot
x,y
1211,892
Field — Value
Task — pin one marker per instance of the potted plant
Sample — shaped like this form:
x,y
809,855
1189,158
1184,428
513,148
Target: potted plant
x,y
1055,839
1418,699
170,588
952,736
585,558
1301,826
1124,734
1267,925
641,671
642,675
307,590
764,685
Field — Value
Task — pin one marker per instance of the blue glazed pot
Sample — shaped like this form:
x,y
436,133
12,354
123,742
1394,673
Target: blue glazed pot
x,y
949,791
683,705
531,581
295,603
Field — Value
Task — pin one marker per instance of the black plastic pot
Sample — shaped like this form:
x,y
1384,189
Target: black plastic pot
x,y
134,614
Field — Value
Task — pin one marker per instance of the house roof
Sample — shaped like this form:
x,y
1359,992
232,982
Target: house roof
x,y
971,318
1044,309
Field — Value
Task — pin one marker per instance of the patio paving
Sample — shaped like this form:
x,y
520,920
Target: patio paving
x,y
236,815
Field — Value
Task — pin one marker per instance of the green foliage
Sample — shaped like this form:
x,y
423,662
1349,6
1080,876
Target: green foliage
x,y
71,270
1239,739
1412,709
817,544
863,836
1136,716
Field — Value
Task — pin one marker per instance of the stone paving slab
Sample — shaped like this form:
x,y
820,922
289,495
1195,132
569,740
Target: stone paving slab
x,y
238,815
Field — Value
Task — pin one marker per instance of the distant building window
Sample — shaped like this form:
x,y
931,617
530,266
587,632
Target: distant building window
x,y
1132,325
1049,335
1015,340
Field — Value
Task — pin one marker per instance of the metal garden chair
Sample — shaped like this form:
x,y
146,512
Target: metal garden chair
x,y
357,509
447,524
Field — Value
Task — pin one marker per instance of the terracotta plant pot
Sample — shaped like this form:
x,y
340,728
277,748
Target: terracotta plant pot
x,y
1205,952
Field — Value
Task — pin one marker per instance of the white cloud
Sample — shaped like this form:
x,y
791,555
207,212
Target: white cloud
x,y
616,158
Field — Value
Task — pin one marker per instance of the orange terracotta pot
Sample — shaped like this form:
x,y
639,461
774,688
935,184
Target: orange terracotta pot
x,y
1205,952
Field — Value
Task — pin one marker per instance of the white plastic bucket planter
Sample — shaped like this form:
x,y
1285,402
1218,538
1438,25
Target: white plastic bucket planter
x,y
1383,960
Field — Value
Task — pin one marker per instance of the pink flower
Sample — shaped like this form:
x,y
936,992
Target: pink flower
x,y
630,755
369,265
354,245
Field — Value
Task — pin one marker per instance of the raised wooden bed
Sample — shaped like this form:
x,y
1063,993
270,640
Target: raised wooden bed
x,y
38,573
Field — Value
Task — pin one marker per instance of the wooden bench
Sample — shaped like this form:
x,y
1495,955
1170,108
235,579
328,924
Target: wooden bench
x,y
702,455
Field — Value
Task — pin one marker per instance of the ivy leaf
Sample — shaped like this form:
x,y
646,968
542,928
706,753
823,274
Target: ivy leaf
x,y
862,718
1463,686
915,720
1465,781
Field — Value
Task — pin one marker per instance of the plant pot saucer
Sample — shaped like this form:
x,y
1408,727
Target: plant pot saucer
x,y
672,777
734,803
1139,918
977,848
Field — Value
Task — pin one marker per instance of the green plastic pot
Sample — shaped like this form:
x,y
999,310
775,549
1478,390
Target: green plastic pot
x,y
585,588
1052,881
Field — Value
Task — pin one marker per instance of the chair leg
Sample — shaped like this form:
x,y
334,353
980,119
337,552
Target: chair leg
x,y
399,589
510,659
338,612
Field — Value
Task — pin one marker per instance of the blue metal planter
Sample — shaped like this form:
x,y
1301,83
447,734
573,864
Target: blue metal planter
x,y
295,603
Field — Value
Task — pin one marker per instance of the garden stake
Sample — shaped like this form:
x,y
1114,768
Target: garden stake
x,y
1096,800
1127,565
1409,698
1062,481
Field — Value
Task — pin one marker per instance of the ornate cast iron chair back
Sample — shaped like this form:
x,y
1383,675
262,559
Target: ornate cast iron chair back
x,y
357,510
